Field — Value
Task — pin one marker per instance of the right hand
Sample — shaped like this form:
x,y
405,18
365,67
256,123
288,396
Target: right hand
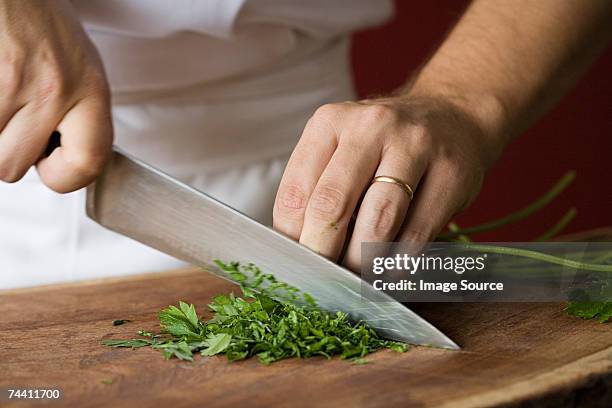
x,y
51,78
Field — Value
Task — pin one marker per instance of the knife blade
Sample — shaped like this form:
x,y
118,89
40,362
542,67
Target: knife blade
x,y
141,202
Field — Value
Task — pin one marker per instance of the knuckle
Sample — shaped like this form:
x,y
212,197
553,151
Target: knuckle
x,y
326,113
326,110
379,113
421,138
420,133
291,202
328,203
381,218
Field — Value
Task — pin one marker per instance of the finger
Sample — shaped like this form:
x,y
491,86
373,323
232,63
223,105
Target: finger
x,y
440,196
24,138
11,100
7,112
335,196
87,138
306,164
384,206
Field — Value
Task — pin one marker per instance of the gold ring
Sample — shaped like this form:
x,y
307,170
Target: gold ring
x,y
387,179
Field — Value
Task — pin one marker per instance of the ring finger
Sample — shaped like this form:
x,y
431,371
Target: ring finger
x,y
385,204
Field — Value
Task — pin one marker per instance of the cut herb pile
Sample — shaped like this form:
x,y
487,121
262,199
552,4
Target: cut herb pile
x,y
267,325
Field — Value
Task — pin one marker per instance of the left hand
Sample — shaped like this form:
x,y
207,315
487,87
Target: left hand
x,y
431,144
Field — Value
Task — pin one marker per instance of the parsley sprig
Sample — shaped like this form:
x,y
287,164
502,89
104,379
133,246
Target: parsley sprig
x,y
602,311
265,322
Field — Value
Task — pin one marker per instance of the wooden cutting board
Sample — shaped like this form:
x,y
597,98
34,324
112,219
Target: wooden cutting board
x,y
512,354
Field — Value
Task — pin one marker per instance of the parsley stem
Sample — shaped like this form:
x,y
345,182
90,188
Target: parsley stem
x,y
539,256
519,215
591,256
603,258
453,227
559,226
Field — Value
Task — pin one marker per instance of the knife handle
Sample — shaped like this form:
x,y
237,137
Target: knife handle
x,y
55,141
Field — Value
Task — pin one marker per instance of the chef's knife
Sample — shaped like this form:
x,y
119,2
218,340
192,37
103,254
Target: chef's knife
x,y
139,201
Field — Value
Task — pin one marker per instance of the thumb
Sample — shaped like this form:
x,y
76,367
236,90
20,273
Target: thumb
x,y
86,142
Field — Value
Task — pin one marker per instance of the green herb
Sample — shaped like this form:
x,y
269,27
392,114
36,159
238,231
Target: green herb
x,y
519,215
119,322
453,227
567,218
107,381
144,333
265,323
216,343
535,255
133,343
601,311
253,280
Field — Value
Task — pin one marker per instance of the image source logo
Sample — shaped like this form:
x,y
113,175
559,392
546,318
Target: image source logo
x,y
514,272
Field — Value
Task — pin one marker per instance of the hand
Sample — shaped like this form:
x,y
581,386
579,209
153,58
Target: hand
x,y
428,143
51,78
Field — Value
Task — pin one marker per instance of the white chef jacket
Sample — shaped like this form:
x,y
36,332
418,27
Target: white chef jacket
x,y
213,92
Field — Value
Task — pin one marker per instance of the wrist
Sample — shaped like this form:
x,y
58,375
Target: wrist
x,y
488,112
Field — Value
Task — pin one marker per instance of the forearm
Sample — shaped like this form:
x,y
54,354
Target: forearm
x,y
506,63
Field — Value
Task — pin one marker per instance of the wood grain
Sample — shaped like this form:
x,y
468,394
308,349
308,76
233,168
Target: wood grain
x,y
513,354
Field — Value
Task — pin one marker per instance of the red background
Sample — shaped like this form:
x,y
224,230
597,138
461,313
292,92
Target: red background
x,y
575,135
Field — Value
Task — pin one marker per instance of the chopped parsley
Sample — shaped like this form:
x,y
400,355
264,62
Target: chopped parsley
x,y
266,322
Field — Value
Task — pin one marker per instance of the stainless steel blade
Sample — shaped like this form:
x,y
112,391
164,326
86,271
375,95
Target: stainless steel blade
x,y
139,201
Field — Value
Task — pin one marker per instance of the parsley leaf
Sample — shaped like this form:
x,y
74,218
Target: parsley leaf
x,y
180,321
601,311
216,343
179,349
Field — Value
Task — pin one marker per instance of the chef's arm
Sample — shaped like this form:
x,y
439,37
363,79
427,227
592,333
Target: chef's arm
x,y
502,66
508,62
